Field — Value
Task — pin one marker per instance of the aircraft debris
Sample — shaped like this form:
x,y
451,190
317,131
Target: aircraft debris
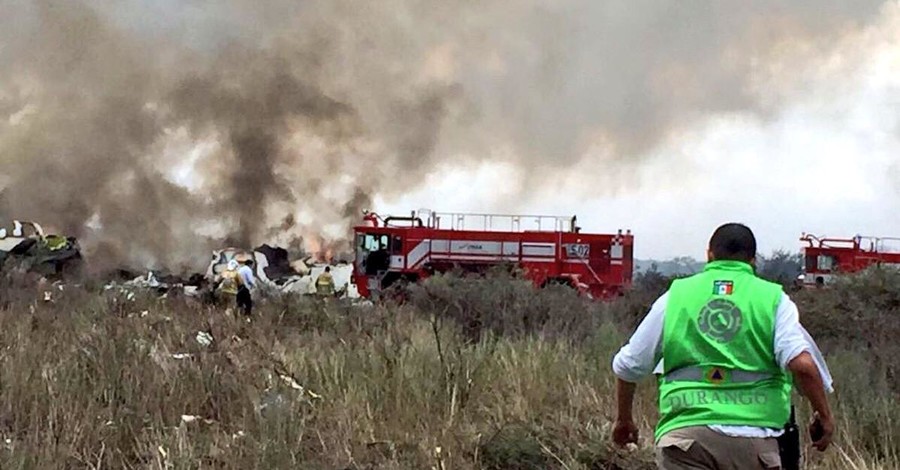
x,y
278,274
25,247
205,339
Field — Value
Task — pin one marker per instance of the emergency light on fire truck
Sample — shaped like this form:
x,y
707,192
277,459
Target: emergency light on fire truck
x,y
827,257
550,249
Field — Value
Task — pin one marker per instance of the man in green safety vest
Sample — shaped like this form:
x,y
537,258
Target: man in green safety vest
x,y
728,348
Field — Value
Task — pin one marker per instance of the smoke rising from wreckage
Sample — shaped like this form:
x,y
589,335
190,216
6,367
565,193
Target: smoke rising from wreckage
x,y
156,142
26,250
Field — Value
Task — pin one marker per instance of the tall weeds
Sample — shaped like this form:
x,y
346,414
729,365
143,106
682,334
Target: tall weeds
x,y
487,373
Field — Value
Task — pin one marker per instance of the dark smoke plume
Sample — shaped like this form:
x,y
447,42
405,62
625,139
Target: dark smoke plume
x,y
158,130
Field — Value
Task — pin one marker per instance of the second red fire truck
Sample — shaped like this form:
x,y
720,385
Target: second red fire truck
x,y
827,257
549,249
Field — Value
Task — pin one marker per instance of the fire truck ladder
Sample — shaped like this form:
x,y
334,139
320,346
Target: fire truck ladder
x,y
874,244
499,222
879,244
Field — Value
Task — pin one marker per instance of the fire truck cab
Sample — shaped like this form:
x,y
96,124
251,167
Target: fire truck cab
x,y
825,258
549,249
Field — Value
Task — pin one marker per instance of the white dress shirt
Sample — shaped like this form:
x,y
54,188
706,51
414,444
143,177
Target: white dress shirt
x,y
642,355
247,277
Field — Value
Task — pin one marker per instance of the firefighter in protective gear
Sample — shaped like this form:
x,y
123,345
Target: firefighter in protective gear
x,y
229,283
325,283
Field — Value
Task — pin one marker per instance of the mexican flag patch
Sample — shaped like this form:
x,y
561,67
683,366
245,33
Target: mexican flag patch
x,y
723,288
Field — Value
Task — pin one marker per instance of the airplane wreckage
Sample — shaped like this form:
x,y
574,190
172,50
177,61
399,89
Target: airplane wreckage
x,y
25,248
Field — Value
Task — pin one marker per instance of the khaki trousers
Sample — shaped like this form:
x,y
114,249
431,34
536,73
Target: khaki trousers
x,y
702,448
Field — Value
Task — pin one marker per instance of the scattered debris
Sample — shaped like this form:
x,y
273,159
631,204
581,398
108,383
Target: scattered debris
x,y
127,294
296,386
26,248
278,274
158,282
205,339
180,356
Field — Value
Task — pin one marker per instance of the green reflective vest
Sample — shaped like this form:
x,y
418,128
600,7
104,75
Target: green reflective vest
x,y
718,352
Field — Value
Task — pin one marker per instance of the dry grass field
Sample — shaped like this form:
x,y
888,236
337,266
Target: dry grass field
x,y
468,374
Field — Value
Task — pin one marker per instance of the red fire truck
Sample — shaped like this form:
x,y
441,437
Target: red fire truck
x,y
549,249
826,257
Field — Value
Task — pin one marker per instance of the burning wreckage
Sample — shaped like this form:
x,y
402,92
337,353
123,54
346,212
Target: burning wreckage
x,y
25,248
272,266
276,272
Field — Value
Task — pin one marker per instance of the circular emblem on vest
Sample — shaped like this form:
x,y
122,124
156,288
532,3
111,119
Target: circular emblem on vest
x,y
720,319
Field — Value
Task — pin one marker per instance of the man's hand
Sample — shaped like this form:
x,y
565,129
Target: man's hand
x,y
821,431
625,432
808,380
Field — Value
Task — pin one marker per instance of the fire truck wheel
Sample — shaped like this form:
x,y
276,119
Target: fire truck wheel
x,y
557,282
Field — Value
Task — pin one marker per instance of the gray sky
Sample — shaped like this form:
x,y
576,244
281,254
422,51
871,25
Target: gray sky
x,y
826,162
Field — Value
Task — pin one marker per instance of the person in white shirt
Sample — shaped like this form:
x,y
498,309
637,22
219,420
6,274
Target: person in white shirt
x,y
246,282
718,406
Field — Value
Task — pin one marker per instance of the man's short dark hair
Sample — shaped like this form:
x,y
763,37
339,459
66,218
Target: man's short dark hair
x,y
733,242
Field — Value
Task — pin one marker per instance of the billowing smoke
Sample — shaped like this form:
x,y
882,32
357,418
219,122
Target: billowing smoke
x,y
158,130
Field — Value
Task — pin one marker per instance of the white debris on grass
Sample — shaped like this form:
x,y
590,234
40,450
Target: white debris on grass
x,y
182,356
204,338
187,419
296,386
293,383
144,281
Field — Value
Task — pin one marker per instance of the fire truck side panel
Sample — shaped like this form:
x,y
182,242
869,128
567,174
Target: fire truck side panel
x,y
598,264
824,261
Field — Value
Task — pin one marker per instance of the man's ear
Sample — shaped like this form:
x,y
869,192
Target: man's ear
x,y
709,256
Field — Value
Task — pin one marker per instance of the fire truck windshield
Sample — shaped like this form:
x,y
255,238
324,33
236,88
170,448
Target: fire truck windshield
x,y
372,242
372,254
